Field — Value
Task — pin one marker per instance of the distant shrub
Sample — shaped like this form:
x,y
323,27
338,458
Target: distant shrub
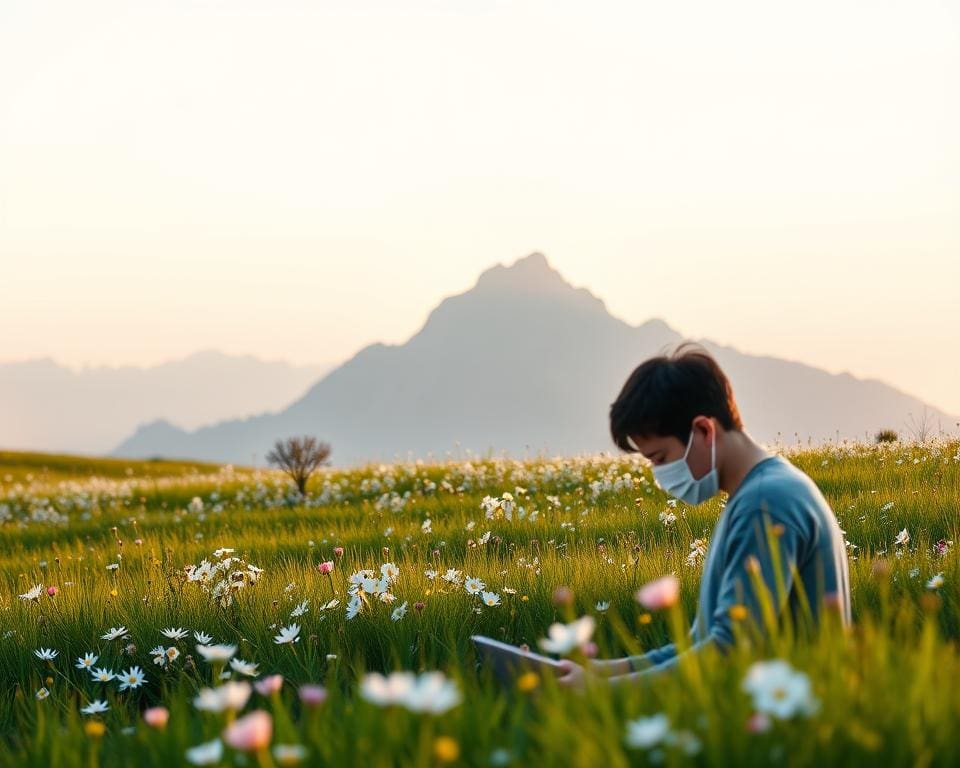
x,y
887,436
299,457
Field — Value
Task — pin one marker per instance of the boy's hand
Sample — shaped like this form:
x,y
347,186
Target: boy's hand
x,y
572,675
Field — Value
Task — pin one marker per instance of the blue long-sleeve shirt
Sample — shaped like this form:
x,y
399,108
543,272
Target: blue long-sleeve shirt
x,y
810,544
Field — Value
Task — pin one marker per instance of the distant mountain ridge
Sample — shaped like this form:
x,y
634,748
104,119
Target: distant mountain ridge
x,y
526,363
46,406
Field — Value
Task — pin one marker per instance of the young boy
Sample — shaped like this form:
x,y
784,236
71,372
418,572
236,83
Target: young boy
x,y
680,413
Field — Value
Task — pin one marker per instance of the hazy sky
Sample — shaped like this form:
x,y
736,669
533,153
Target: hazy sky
x,y
298,179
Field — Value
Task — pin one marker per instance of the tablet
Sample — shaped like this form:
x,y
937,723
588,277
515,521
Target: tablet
x,y
508,661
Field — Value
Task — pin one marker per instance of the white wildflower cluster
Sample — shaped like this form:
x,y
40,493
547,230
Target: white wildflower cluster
x,y
655,732
778,690
429,692
698,550
365,586
505,507
223,578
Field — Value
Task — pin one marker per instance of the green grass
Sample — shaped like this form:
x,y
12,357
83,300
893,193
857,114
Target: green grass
x,y
886,689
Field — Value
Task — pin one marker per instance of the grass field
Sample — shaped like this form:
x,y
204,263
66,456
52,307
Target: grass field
x,y
92,548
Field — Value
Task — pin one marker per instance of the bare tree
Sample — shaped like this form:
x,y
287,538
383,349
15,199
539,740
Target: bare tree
x,y
921,428
299,457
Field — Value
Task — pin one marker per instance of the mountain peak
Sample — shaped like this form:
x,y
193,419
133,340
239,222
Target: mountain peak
x,y
530,274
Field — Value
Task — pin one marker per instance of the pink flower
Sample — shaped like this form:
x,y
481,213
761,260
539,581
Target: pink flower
x,y
589,649
338,551
138,542
251,732
267,685
51,591
326,567
758,723
313,695
659,594
156,717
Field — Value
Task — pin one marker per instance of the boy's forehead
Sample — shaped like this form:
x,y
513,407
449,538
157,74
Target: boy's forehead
x,y
648,444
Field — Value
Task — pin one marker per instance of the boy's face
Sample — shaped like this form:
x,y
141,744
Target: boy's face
x,y
658,449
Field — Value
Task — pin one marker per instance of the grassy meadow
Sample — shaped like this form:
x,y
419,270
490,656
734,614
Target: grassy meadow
x,y
99,557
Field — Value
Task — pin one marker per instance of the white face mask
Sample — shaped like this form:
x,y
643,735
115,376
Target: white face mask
x,y
676,478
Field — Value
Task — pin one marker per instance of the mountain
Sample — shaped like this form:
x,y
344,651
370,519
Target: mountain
x,y
522,362
45,406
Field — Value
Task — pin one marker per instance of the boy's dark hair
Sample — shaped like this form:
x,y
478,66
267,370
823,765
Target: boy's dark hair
x,y
665,393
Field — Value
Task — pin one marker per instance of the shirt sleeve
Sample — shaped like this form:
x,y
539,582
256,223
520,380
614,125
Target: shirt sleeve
x,y
748,549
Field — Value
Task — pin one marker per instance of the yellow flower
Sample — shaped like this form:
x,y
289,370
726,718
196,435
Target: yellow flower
x,y
446,749
113,593
94,728
644,618
524,598
738,612
528,681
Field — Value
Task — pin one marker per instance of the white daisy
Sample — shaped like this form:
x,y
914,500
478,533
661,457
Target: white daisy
x,y
354,606
115,633
95,707
42,694
208,753
300,609
86,661
490,598
217,652
244,667
47,654
175,633
33,593
202,637
474,586
289,635
102,675
131,678
399,612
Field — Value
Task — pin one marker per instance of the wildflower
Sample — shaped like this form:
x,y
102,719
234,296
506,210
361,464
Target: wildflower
x,y
113,566
251,732
115,633
326,568
175,633
94,728
563,638
289,754
202,637
32,594
902,538
446,749
758,722
528,681
354,606
156,717
474,586
646,732
668,518
490,599
95,707
300,609
312,695
428,692
287,635
563,596
208,753
102,675
131,678
244,667
269,685
779,690
231,696
389,571
214,653
602,606
452,576
41,694
936,582
86,661
51,591
430,574
46,654
658,594
338,551
399,612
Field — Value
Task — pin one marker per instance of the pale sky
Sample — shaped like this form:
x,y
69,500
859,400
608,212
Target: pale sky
x,y
298,179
